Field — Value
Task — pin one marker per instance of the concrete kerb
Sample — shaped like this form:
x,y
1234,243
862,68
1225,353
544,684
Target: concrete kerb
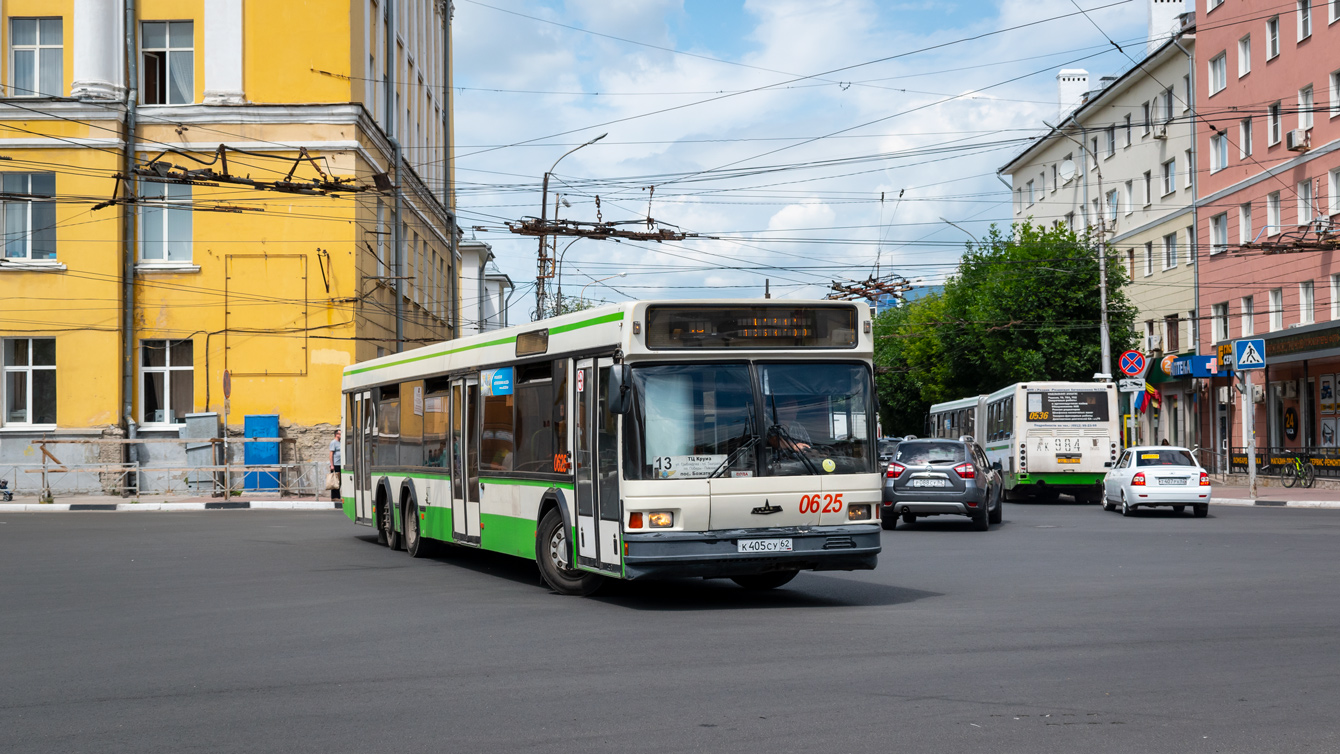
x,y
286,505
1273,503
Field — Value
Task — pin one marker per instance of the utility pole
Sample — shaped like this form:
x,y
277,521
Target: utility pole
x,y
544,262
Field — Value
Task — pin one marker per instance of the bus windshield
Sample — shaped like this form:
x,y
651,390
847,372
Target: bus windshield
x,y
697,421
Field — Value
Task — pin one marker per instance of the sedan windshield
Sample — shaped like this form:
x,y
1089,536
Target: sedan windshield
x,y
1164,458
697,421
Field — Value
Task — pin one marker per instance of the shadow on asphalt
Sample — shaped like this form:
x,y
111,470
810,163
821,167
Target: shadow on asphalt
x,y
807,590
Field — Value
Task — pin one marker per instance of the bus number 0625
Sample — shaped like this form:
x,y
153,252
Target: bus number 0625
x,y
830,503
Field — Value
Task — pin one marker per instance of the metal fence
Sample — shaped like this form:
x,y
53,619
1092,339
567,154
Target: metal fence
x,y
1271,461
50,481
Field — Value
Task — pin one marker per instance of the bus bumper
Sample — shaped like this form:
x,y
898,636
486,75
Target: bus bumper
x,y
716,554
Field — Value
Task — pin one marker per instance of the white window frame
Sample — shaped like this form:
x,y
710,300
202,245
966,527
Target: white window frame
x,y
1333,13
166,370
1304,19
1274,221
1149,188
1335,296
1219,316
1170,251
1335,85
1219,233
1307,301
1130,197
1149,258
1111,141
1128,132
1212,4
1244,138
1306,101
1247,316
1218,73
20,212
1333,191
27,370
1275,124
1218,151
1272,37
38,46
1244,56
167,51
1306,210
1191,246
1169,176
1276,309
1029,186
1245,223
1149,119
1055,177
1113,205
1188,172
170,210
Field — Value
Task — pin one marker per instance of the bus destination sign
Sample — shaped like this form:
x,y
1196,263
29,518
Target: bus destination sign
x,y
1068,406
763,326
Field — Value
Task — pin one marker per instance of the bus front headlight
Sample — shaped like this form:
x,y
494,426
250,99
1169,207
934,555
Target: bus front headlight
x,y
661,519
858,512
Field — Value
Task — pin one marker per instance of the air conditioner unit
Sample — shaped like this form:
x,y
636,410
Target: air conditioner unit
x,y
1258,394
1296,140
1160,132
1225,394
1291,391
1154,342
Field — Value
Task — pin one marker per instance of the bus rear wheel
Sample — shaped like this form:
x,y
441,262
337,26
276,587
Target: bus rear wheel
x,y
414,544
387,534
552,554
760,581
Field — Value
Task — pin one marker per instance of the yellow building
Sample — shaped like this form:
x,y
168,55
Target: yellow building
x,y
126,300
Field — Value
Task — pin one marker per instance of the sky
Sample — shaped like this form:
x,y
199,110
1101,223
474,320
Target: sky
x,y
804,141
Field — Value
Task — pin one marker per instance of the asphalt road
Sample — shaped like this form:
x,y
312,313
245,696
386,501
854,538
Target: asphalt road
x,y
1065,629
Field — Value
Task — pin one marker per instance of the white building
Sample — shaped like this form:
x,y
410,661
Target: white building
x,y
1119,163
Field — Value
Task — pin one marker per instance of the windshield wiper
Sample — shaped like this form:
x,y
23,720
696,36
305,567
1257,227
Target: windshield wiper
x,y
791,444
734,454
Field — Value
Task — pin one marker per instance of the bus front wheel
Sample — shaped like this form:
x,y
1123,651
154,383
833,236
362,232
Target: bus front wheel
x,y
553,553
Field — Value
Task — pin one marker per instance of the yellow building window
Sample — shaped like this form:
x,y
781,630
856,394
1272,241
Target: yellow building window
x,y
36,61
169,62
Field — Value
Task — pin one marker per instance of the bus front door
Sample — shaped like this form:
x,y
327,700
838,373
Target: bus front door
x,y
465,461
599,509
362,426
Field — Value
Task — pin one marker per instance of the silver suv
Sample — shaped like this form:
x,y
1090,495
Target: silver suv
x,y
941,477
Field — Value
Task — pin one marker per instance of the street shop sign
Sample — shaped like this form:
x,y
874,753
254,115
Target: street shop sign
x,y
1193,366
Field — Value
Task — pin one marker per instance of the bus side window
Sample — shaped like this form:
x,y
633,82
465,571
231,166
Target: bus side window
x,y
562,454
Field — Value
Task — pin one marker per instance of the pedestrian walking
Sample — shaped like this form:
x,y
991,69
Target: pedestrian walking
x,y
336,456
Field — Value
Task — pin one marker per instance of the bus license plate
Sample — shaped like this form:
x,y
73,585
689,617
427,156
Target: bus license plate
x,y
764,545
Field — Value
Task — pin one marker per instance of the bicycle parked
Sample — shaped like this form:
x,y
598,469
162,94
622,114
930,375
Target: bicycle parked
x,y
1299,469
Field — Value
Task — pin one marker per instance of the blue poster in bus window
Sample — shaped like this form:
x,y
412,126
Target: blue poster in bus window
x,y
497,381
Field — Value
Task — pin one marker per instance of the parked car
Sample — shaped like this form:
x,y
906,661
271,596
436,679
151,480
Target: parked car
x,y
887,447
936,477
1148,476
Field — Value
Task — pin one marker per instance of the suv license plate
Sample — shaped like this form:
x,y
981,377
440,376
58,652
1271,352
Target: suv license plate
x,y
930,482
764,545
1165,481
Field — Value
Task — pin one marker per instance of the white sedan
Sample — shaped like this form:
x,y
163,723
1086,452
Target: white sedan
x,y
1154,475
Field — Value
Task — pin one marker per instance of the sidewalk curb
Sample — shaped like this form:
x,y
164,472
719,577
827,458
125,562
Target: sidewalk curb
x,y
285,505
1275,503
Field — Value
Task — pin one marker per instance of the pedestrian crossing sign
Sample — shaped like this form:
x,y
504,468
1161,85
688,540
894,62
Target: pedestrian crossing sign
x,y
1249,354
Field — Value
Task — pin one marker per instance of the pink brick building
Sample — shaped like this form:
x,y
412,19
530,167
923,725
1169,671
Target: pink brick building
x,y
1267,96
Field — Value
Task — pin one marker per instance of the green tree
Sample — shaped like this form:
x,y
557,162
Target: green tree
x,y
1023,306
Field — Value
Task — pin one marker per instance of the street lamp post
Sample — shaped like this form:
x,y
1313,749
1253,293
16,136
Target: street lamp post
x,y
543,260
581,298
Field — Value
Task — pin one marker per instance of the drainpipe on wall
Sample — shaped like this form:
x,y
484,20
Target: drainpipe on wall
x,y
128,232
397,242
1195,220
448,183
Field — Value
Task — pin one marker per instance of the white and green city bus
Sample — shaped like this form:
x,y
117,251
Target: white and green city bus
x,y
1049,437
650,439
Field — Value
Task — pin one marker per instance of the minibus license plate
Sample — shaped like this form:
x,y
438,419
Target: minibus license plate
x,y
764,545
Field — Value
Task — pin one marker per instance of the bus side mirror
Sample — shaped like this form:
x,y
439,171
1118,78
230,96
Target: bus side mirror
x,y
995,465
619,395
